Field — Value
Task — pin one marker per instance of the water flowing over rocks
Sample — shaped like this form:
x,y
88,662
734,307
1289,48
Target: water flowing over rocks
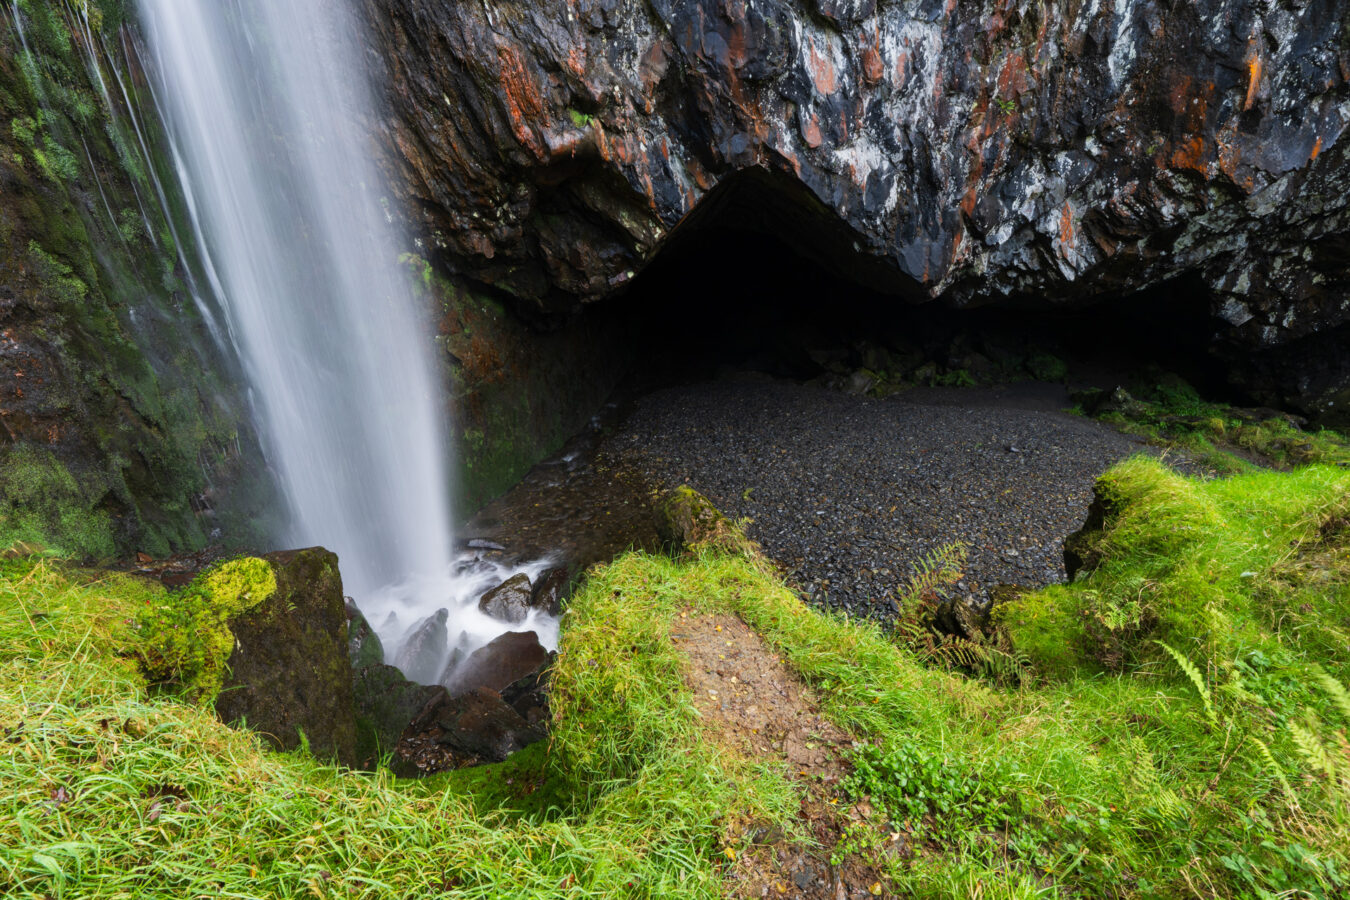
x,y
1002,151
423,647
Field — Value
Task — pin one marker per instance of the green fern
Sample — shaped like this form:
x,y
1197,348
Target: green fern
x,y
1276,771
933,573
1197,679
1340,697
1313,750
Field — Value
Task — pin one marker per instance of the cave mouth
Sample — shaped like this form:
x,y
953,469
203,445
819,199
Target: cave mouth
x,y
727,296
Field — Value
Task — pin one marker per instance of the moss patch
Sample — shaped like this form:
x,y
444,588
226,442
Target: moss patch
x,y
186,639
41,502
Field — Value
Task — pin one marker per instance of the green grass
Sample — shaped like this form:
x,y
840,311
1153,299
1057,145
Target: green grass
x,y
111,792
1179,731
1169,411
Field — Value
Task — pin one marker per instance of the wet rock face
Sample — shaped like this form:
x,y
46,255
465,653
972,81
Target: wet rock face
x,y
976,152
507,659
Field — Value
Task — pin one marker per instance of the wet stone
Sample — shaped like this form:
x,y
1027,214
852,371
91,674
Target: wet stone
x,y
425,646
507,659
509,601
550,590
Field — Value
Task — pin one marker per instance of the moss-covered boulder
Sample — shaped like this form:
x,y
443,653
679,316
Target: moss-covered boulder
x,y
688,521
289,672
185,637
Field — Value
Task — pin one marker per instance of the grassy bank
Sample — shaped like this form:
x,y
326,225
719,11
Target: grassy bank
x,y
1176,727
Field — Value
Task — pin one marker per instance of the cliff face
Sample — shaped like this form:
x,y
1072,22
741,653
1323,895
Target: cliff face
x,y
1036,152
122,427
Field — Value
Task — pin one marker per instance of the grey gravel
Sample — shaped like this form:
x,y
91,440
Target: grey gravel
x,y
847,492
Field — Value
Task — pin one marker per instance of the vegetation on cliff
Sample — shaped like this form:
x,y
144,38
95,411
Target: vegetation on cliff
x,y
120,427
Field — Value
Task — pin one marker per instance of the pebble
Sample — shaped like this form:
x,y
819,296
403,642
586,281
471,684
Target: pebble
x,y
848,492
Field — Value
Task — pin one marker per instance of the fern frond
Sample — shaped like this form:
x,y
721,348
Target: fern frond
x,y
1314,751
1276,771
1340,697
934,571
1197,679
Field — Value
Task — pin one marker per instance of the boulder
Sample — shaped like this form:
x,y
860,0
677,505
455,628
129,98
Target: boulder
x,y
686,519
290,672
478,726
507,659
509,601
385,705
424,647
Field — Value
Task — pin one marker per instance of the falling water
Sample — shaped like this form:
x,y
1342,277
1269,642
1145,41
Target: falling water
x,y
268,110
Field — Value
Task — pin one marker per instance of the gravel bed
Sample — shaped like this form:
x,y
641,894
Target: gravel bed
x,y
848,492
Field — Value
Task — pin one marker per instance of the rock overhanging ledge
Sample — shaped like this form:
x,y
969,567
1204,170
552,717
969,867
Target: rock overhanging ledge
x,y
1000,151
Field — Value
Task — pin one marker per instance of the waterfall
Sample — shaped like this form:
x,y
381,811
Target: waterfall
x,y
269,115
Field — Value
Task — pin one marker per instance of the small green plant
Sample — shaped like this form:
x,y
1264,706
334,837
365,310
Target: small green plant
x,y
1006,105
955,378
928,794
1047,367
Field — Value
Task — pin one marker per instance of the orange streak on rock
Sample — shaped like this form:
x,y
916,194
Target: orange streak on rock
x,y
813,136
822,71
1317,148
1067,232
522,100
901,69
1254,68
873,71
1188,154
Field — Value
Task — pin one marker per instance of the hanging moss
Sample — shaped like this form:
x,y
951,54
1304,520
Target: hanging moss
x,y
186,639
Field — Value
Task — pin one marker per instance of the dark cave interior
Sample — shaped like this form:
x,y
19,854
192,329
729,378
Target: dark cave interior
x,y
729,297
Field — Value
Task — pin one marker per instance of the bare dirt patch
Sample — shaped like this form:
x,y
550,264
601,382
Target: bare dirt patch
x,y
755,705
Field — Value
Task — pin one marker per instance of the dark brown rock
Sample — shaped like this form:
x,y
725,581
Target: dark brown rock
x,y
509,601
385,705
550,590
475,727
976,153
290,671
507,659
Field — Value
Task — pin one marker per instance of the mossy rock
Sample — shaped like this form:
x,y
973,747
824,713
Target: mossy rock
x,y
386,703
363,644
290,676
186,639
687,521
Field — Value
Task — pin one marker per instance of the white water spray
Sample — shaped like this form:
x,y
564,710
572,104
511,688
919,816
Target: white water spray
x,y
268,107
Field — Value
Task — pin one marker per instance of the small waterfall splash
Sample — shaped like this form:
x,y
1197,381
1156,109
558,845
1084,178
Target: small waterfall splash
x,y
269,110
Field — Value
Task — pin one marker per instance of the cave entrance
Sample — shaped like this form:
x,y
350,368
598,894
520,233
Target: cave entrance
x,y
759,280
